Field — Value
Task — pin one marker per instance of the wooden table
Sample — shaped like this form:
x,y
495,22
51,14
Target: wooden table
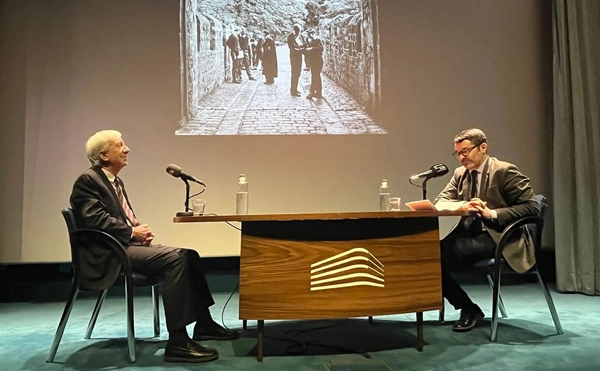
x,y
336,265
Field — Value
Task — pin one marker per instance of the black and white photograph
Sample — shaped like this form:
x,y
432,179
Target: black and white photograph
x,y
279,67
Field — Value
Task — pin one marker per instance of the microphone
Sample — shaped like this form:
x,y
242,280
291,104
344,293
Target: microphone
x,y
178,172
433,172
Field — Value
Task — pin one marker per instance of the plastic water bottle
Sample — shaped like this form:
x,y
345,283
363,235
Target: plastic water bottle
x,y
384,196
241,201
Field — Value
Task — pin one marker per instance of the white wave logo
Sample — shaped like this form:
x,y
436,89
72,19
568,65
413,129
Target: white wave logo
x,y
355,267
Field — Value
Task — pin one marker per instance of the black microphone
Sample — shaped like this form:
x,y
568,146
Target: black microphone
x,y
433,172
178,172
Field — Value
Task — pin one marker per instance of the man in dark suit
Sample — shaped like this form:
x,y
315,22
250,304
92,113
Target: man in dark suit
x,y
296,42
314,58
99,201
496,193
233,43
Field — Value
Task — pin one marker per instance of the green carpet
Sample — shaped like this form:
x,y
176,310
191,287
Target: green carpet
x,y
526,340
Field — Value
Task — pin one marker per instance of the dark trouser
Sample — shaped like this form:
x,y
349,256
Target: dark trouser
x,y
236,73
460,253
296,62
186,295
246,64
316,85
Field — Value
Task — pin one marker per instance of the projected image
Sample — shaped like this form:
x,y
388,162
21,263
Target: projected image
x,y
279,67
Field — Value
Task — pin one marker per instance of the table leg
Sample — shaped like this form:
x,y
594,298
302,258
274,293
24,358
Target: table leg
x,y
245,324
420,331
261,329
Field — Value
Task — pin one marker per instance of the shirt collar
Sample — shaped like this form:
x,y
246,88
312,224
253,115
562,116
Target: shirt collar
x,y
111,177
482,166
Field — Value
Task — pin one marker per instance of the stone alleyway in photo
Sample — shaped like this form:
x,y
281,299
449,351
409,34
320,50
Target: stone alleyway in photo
x,y
254,108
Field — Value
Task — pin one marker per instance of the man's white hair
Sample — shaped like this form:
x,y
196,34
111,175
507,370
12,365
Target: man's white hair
x,y
99,142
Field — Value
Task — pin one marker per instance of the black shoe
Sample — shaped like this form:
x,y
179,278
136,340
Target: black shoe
x,y
214,332
188,351
468,319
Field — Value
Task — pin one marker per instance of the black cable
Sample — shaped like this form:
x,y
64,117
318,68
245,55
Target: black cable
x,y
416,185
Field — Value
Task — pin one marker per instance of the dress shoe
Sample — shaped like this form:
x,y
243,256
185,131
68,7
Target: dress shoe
x,y
189,351
468,319
214,331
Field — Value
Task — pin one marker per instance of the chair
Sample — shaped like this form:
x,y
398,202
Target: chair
x,y
80,239
494,268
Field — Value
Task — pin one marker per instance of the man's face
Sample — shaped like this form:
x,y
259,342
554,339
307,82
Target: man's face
x,y
116,155
469,155
296,30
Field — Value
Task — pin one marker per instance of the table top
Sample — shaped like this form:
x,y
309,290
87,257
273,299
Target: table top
x,y
316,216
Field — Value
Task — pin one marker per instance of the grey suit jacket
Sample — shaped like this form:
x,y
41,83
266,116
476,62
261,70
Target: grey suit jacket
x,y
96,206
506,190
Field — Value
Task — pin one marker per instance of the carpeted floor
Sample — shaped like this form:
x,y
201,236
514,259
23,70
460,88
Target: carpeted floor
x,y
526,340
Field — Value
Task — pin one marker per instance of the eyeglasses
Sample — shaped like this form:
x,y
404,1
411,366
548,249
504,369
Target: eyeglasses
x,y
464,152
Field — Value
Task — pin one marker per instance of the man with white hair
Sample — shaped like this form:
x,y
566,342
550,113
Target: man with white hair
x,y
99,201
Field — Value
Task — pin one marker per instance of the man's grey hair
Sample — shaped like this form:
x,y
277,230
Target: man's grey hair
x,y
99,142
475,136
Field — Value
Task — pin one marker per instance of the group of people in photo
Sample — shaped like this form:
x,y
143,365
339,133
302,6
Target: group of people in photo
x,y
253,51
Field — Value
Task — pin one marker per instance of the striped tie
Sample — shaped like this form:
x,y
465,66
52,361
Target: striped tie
x,y
128,212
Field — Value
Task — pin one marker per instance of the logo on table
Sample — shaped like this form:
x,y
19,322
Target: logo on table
x,y
355,267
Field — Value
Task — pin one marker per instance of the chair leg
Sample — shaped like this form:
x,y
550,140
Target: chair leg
x,y
63,322
130,322
496,295
90,328
371,319
245,324
442,311
156,311
550,302
500,302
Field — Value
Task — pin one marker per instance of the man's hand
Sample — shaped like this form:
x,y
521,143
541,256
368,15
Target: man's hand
x,y
143,234
481,208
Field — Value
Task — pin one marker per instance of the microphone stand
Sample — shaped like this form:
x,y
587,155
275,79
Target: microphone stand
x,y
424,186
187,201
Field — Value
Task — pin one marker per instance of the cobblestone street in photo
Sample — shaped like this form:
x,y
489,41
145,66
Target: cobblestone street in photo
x,y
254,108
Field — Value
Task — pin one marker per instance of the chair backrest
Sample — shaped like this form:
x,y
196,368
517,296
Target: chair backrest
x,y
536,229
71,228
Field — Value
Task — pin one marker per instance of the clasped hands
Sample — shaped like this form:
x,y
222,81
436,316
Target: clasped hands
x,y
479,207
143,234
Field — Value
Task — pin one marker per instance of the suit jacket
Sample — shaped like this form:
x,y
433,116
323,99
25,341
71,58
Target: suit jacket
x,y
96,206
293,44
506,190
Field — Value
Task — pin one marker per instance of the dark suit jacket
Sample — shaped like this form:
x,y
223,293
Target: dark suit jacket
x,y
96,206
506,190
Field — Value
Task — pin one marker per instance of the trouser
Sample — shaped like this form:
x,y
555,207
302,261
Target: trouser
x,y
236,73
458,254
316,85
186,295
246,63
296,63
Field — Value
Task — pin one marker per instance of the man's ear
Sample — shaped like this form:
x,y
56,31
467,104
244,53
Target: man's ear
x,y
103,156
483,147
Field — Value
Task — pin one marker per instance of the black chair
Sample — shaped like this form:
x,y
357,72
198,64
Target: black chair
x,y
494,268
80,239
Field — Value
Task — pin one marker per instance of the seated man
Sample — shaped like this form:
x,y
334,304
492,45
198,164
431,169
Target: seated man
x,y
497,193
99,201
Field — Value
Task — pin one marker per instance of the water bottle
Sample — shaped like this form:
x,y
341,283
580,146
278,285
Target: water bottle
x,y
241,201
384,196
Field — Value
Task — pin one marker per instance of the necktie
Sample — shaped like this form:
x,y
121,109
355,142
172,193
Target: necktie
x,y
128,212
474,184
